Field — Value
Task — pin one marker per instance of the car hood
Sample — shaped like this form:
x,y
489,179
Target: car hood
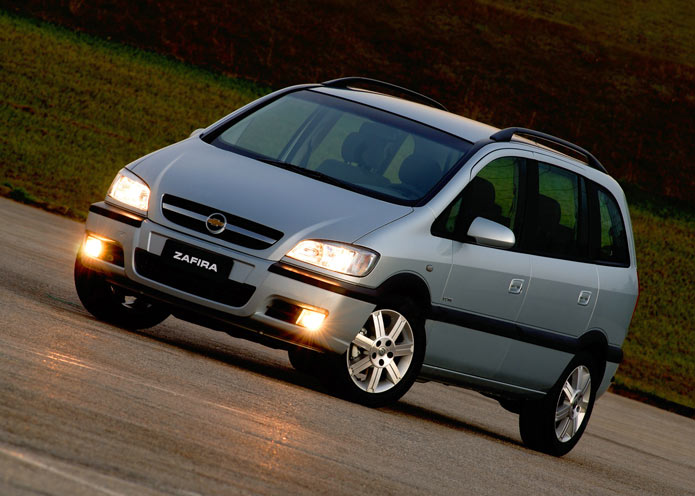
x,y
298,206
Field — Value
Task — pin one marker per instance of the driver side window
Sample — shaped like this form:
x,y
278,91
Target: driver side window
x,y
492,194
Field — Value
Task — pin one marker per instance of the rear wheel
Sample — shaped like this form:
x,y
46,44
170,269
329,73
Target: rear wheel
x,y
555,424
113,304
384,358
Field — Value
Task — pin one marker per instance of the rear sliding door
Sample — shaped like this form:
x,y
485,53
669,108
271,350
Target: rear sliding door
x,y
561,297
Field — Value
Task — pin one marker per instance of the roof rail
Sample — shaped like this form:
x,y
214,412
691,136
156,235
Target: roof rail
x,y
355,80
508,133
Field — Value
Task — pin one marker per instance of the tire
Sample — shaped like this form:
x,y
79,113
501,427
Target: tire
x,y
113,304
384,359
554,424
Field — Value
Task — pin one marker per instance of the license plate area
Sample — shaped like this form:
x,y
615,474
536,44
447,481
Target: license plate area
x,y
192,260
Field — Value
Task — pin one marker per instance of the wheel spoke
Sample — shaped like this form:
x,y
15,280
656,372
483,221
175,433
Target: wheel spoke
x,y
360,366
568,390
566,424
403,349
397,328
562,412
378,319
362,341
394,375
576,423
583,382
374,379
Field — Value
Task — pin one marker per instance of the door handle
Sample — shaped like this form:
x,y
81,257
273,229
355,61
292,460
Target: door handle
x,y
584,297
516,286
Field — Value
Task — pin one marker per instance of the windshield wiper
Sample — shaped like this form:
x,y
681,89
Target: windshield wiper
x,y
306,172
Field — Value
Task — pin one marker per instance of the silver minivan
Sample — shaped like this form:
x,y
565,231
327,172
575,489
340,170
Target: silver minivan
x,y
380,240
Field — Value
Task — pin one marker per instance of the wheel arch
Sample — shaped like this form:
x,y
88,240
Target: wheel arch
x,y
595,343
407,285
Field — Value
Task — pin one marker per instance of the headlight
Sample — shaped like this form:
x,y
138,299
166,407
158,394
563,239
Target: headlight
x,y
338,257
130,191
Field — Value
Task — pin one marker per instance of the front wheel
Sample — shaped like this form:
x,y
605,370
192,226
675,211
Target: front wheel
x,y
384,358
113,304
555,424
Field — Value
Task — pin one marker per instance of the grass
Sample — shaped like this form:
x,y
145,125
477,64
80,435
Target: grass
x,y
616,77
665,28
660,350
74,110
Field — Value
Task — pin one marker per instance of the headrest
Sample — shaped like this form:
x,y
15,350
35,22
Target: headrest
x,y
367,147
420,172
549,211
480,193
352,148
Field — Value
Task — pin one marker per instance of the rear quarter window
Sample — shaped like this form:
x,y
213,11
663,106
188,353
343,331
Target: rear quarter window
x,y
610,238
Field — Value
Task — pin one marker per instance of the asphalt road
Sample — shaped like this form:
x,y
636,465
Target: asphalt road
x,y
87,408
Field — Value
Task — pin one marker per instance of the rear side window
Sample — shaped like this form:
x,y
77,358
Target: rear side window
x,y
555,213
610,240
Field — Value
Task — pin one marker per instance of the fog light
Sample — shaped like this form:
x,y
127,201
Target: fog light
x,y
310,319
93,247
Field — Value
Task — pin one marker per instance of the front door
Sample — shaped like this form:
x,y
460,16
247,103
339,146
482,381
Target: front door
x,y
486,286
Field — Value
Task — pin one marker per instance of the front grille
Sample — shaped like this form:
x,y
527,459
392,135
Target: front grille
x,y
227,292
239,231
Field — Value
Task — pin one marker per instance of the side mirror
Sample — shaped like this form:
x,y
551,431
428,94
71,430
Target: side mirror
x,y
489,233
197,132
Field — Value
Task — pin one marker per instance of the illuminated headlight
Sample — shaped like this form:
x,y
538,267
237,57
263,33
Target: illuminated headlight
x,y
338,257
130,191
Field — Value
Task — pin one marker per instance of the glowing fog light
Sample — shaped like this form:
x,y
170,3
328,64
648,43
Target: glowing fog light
x,y
311,319
93,247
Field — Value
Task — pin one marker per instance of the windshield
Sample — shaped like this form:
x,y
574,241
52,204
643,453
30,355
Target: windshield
x,y
348,144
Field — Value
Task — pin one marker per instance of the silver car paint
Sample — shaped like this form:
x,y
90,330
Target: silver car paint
x,y
262,193
474,277
346,314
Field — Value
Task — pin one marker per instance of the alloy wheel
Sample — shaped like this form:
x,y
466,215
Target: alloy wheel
x,y
382,352
573,403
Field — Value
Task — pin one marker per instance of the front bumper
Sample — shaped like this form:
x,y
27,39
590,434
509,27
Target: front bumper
x,y
253,286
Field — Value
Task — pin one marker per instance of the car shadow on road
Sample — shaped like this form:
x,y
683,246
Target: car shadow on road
x,y
281,370
428,415
275,368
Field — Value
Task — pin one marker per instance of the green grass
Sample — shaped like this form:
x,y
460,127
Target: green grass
x,y
614,77
664,29
660,349
74,110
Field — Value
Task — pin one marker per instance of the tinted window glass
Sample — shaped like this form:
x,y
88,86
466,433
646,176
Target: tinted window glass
x,y
493,194
271,127
390,156
612,241
554,214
